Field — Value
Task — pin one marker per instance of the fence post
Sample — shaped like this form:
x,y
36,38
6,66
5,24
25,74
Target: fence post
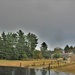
x,y
20,65
58,63
43,63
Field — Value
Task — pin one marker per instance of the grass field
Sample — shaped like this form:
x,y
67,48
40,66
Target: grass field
x,y
24,63
16,63
69,69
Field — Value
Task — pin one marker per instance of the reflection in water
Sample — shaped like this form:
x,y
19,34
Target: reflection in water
x,y
49,72
32,72
26,71
12,71
57,73
43,72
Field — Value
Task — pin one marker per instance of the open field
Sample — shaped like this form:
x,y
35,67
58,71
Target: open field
x,y
25,63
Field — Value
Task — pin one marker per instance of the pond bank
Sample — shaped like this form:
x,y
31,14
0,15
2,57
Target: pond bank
x,y
40,64
25,71
18,63
68,69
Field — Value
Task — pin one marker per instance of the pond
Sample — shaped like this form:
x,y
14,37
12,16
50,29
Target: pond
x,y
26,71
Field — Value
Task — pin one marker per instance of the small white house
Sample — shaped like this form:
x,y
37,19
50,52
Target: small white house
x,y
67,56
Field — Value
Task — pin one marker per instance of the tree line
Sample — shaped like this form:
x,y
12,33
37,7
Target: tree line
x,y
18,46
69,49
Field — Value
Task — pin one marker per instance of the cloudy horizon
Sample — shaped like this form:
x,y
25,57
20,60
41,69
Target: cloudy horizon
x,y
52,21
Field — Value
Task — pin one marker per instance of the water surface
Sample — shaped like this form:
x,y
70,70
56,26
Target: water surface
x,y
26,71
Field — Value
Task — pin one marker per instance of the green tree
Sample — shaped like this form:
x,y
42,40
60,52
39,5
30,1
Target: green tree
x,y
44,46
32,42
11,45
71,49
18,46
57,52
4,45
74,49
1,49
3,36
37,54
47,54
44,49
21,45
66,49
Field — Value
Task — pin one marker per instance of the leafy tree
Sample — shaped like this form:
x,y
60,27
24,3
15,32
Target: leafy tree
x,y
1,49
66,49
57,52
4,45
32,42
44,49
71,49
74,49
56,55
47,54
18,46
37,54
44,46
11,53
3,36
21,44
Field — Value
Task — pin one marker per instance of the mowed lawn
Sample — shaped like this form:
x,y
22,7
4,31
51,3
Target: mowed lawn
x,y
17,63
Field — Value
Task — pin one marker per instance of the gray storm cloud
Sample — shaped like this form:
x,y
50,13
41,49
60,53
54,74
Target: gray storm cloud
x,y
53,21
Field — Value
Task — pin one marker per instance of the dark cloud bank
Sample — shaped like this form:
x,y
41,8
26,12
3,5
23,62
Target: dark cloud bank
x,y
53,21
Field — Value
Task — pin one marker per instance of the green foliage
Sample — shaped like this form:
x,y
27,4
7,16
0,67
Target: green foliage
x,y
68,49
44,50
20,46
57,52
3,36
44,46
17,45
47,54
37,54
32,42
56,55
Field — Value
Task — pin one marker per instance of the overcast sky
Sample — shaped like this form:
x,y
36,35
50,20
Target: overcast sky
x,y
53,21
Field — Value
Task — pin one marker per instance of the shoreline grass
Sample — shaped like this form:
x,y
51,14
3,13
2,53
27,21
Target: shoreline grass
x,y
70,68
19,63
67,69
